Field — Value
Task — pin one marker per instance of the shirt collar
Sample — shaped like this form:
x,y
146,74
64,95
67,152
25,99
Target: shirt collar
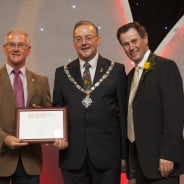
x,y
92,62
10,68
145,58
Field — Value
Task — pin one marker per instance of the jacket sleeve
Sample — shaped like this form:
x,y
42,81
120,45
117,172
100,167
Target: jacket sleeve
x,y
121,101
171,91
58,100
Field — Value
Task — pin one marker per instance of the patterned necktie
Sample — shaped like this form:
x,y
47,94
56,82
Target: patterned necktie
x,y
133,89
87,77
18,88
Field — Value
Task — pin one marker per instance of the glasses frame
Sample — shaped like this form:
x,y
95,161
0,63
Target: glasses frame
x,y
20,45
87,38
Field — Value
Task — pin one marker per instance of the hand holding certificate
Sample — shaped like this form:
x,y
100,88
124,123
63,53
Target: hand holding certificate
x,y
41,124
61,143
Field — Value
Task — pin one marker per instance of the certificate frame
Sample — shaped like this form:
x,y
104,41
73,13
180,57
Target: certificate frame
x,y
33,125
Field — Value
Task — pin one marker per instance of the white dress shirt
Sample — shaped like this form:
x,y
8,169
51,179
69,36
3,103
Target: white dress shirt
x,y
141,64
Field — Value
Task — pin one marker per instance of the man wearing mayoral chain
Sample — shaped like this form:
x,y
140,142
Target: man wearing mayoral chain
x,y
93,89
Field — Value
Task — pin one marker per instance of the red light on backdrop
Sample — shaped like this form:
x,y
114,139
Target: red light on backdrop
x,y
174,45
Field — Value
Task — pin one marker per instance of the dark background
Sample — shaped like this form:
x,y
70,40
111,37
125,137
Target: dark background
x,y
158,17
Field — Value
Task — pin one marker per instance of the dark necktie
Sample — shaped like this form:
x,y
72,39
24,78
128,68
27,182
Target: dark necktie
x,y
18,88
87,77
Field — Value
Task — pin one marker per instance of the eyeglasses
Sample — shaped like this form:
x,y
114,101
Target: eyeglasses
x,y
12,45
88,39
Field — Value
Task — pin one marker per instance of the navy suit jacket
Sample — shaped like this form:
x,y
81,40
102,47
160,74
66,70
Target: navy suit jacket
x,y
99,129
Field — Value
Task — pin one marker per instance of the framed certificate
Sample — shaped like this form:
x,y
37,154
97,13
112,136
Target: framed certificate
x,y
37,125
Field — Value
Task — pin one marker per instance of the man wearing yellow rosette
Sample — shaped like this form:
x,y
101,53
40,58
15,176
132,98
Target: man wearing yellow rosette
x,y
155,112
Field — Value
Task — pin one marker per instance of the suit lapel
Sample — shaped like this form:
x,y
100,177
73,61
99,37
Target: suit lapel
x,y
31,81
101,68
144,73
75,72
143,76
6,84
130,78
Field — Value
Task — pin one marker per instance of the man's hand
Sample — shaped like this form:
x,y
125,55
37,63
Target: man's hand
x,y
165,167
61,143
132,181
35,106
123,165
13,143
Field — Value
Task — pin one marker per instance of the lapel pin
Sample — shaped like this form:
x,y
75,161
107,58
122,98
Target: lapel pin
x,y
101,70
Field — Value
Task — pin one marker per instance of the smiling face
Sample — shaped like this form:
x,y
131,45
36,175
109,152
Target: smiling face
x,y
16,49
134,45
86,41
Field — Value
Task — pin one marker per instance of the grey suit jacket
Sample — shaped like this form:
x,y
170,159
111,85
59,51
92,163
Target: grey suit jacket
x,y
39,94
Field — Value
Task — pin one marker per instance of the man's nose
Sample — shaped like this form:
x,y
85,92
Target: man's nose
x,y
131,46
15,48
84,41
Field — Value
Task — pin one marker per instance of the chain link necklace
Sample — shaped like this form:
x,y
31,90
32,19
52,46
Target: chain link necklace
x,y
87,101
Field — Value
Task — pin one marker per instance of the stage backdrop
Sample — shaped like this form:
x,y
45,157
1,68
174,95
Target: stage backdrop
x,y
50,24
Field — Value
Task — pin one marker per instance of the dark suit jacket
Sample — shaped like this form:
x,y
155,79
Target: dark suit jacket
x,y
100,129
38,93
158,109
